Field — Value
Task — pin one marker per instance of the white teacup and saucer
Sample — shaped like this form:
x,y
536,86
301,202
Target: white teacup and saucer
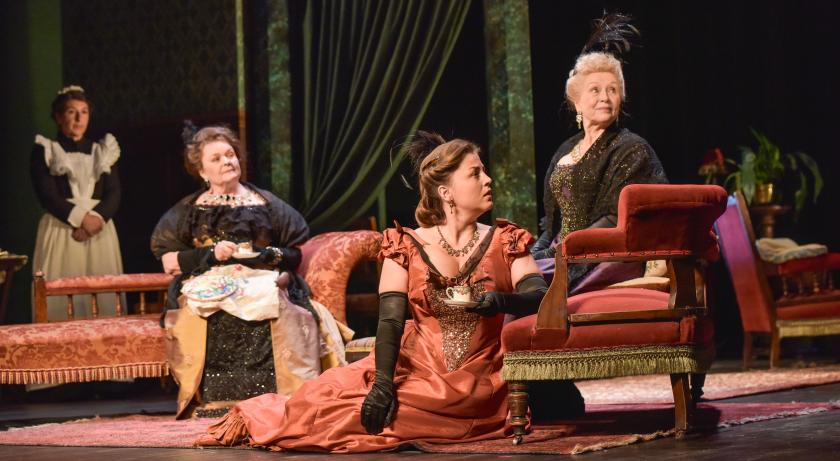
x,y
459,296
244,250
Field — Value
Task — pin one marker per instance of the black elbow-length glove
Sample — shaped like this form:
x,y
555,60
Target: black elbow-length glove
x,y
379,405
529,293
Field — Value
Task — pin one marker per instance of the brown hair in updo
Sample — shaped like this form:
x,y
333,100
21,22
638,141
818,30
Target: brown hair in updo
x,y
204,136
434,161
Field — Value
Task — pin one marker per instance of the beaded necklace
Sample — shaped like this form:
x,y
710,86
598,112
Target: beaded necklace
x,y
231,200
452,251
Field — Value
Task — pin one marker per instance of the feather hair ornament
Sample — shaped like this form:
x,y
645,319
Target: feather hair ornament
x,y
397,147
417,147
613,33
188,132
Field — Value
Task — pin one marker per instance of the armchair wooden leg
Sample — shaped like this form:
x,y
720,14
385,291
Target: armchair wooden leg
x,y
679,385
748,350
518,406
775,349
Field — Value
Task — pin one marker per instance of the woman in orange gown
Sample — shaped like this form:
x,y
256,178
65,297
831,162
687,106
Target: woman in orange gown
x,y
434,379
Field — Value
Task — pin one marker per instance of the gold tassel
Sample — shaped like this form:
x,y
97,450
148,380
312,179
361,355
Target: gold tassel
x,y
816,327
82,374
605,363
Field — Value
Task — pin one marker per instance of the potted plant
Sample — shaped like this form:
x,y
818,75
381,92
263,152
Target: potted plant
x,y
761,170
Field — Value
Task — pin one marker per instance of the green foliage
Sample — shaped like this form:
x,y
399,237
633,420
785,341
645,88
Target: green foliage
x,y
766,164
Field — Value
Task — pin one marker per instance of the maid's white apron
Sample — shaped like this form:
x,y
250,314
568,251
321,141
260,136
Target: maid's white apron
x,y
56,253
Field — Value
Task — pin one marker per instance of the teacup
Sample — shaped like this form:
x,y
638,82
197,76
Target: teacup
x,y
461,293
244,247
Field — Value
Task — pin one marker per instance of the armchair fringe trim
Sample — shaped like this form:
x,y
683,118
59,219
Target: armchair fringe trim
x,y
605,363
810,327
84,374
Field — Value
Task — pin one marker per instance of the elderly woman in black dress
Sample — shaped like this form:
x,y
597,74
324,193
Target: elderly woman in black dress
x,y
220,356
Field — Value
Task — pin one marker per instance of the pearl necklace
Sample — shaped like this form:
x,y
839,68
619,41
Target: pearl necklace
x,y
452,251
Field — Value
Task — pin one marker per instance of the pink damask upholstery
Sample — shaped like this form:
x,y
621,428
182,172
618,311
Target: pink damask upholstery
x,y
82,350
328,260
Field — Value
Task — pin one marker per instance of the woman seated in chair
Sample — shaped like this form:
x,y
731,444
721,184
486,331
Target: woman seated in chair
x,y
437,378
220,242
589,170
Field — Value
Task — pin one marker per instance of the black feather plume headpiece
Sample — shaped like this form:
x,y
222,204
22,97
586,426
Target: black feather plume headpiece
x,y
416,147
188,132
613,33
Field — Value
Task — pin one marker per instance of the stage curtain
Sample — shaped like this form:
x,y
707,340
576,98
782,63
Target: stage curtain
x,y
370,70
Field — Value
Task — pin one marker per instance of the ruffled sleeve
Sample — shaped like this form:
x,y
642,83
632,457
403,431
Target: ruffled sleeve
x,y
105,155
514,240
395,247
55,158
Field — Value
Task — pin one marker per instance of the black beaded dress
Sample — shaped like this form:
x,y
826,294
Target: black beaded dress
x,y
239,360
585,194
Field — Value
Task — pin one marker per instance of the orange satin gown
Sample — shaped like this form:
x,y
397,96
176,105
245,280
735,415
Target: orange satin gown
x,y
448,382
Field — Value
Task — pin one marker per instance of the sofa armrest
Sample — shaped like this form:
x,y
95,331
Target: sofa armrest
x,y
328,259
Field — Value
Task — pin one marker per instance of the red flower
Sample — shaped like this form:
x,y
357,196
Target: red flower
x,y
713,162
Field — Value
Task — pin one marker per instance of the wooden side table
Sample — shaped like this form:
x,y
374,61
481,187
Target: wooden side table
x,y
767,217
9,264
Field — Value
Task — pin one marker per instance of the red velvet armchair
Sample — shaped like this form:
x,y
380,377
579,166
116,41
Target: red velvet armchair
x,y
134,346
626,331
811,309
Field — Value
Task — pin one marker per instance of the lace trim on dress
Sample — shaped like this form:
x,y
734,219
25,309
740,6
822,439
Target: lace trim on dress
x,y
249,198
456,325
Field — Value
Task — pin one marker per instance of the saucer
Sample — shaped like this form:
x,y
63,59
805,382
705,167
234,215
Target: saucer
x,y
456,303
246,254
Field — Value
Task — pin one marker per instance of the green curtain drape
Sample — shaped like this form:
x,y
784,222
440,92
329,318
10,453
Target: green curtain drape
x,y
370,70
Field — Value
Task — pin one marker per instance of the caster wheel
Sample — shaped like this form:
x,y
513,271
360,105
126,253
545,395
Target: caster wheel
x,y
517,439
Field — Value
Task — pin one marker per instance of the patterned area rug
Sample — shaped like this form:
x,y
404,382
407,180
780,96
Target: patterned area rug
x,y
604,426
657,388
608,426
620,411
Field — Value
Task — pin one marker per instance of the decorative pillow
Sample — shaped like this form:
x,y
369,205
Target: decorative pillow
x,y
358,349
648,283
656,268
779,250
